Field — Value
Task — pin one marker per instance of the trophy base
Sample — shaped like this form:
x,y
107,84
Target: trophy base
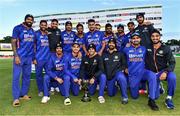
x,y
86,99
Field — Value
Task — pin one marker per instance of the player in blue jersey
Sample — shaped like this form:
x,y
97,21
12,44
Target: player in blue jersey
x,y
42,54
80,38
73,68
108,34
131,27
95,37
122,39
23,48
67,37
57,70
135,55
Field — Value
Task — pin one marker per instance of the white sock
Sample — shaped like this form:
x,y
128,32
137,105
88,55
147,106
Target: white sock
x,y
169,97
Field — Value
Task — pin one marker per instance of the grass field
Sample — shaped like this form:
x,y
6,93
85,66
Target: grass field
x,y
55,106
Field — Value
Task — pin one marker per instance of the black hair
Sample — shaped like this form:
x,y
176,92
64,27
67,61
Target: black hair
x,y
108,25
54,20
43,21
91,20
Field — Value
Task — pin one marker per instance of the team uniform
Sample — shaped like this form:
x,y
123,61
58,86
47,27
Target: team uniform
x,y
25,51
67,40
57,68
121,42
73,69
81,42
114,64
106,39
137,72
42,55
145,34
96,38
93,67
54,36
162,60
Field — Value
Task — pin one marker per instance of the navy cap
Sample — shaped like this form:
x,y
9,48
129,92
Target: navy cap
x,y
68,22
140,14
76,42
92,46
120,25
135,34
112,40
59,45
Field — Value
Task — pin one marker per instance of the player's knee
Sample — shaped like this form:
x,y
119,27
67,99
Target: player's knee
x,y
171,77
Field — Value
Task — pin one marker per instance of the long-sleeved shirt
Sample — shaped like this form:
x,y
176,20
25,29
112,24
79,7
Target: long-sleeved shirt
x,y
54,36
91,67
113,63
121,41
160,59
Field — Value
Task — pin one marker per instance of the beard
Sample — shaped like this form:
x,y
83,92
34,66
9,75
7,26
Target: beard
x,y
156,41
28,24
111,47
136,42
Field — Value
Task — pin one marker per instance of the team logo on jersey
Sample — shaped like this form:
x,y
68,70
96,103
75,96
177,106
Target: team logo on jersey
x,y
57,33
106,59
72,35
96,35
24,31
131,51
86,63
140,51
149,50
116,57
160,52
49,33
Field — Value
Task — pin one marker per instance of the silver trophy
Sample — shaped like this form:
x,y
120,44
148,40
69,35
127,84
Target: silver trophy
x,y
86,97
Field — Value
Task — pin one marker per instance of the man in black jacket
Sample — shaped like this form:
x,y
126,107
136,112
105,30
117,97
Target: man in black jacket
x,y
114,64
161,61
54,35
92,70
144,30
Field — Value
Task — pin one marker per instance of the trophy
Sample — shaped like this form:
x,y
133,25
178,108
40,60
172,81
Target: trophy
x,y
86,97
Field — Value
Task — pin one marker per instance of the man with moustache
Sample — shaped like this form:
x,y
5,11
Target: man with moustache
x,y
114,66
23,47
161,61
42,54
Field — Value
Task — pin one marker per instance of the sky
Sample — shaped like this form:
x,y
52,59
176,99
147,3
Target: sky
x,y
12,12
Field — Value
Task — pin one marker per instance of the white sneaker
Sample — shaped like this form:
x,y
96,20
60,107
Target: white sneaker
x,y
40,94
57,89
45,99
67,101
101,99
52,91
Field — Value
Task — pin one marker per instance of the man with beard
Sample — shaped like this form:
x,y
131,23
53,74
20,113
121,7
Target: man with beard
x,y
108,34
23,47
42,54
161,61
73,68
114,65
57,70
135,55
54,35
80,39
122,39
95,37
68,37
144,30
92,70
131,27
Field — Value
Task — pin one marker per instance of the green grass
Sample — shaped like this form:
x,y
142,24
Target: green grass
x,y
55,106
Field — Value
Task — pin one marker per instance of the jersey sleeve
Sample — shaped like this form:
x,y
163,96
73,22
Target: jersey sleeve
x,y
50,71
15,34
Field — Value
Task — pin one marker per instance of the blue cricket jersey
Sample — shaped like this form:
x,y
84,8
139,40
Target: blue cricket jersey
x,y
135,59
57,66
106,39
25,40
73,66
67,40
128,35
42,46
121,42
81,41
96,38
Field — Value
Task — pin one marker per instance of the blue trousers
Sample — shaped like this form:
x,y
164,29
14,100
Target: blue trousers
x,y
145,75
171,82
122,82
39,73
25,69
64,87
101,80
74,87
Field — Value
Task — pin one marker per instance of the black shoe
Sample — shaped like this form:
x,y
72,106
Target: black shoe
x,y
124,101
152,105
